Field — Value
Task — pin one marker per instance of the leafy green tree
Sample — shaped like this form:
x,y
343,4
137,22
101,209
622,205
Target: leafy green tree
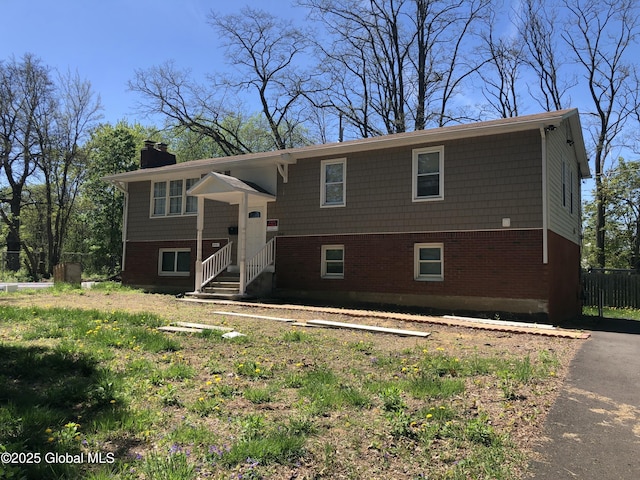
x,y
254,132
621,195
111,149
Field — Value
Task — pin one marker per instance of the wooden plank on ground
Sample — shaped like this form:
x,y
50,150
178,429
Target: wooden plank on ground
x,y
503,323
263,317
369,328
204,326
304,324
172,328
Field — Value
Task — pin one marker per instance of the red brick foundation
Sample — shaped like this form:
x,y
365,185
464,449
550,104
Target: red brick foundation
x,y
505,266
564,278
499,264
141,267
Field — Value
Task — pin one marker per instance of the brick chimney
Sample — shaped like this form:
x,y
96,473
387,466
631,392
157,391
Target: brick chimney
x,y
155,155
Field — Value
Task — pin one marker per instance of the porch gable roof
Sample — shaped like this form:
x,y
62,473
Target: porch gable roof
x,y
227,189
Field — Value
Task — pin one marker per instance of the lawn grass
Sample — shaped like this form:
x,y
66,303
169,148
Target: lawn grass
x,y
613,312
313,403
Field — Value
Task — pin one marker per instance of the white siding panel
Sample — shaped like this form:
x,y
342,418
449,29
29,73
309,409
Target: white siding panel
x,y
561,220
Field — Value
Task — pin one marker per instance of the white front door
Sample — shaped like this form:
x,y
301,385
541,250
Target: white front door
x,y
256,229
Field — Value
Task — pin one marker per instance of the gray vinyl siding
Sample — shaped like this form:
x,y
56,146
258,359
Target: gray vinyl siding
x,y
561,220
218,217
485,180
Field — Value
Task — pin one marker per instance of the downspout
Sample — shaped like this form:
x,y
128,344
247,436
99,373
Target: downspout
x,y
545,202
243,211
125,220
200,228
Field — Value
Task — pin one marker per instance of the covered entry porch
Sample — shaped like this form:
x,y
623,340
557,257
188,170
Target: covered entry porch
x,y
253,253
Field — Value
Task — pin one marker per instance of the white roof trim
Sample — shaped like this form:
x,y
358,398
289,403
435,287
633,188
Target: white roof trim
x,y
224,188
328,150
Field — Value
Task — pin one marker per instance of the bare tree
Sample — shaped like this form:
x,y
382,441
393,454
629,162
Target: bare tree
x,y
503,72
171,93
346,82
538,27
602,35
443,30
265,51
393,61
26,100
63,161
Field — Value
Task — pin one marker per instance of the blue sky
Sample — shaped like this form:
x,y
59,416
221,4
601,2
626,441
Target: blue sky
x,y
106,40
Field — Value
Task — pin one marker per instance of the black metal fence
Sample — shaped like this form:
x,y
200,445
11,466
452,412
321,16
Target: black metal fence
x,y
612,288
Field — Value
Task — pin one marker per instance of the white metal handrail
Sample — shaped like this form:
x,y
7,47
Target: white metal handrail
x,y
261,260
216,263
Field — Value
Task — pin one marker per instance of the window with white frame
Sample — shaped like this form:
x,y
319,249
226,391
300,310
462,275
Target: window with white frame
x,y
428,177
169,198
333,181
429,261
332,261
175,262
191,205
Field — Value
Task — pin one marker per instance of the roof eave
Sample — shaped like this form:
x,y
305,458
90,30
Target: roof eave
x,y
421,137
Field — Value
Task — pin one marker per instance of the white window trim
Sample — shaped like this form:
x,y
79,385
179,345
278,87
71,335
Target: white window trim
x,y
416,263
323,191
167,183
172,273
323,272
414,174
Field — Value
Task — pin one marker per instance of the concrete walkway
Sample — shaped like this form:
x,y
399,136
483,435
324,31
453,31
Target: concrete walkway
x,y
593,429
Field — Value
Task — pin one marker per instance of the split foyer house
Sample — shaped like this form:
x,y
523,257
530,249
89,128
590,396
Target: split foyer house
x,y
482,217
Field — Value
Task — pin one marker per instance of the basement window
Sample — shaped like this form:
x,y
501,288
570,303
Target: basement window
x,y
175,262
332,261
429,262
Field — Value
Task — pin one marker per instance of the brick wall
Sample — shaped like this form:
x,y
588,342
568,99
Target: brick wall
x,y
501,264
142,264
564,278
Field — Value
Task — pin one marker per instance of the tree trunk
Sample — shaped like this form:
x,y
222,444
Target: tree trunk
x,y
13,236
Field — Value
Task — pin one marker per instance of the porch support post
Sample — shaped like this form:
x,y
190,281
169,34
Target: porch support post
x,y
243,211
200,227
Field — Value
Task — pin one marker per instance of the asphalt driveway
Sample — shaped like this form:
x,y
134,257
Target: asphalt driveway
x,y
593,429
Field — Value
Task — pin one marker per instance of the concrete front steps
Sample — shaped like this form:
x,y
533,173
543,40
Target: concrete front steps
x,y
223,287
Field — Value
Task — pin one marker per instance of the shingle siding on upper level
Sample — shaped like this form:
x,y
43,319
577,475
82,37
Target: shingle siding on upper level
x,y
218,217
485,179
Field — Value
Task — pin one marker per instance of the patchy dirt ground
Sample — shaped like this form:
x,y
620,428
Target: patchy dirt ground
x,y
521,416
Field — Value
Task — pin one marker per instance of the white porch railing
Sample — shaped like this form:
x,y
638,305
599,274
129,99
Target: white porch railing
x,y
216,263
261,260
